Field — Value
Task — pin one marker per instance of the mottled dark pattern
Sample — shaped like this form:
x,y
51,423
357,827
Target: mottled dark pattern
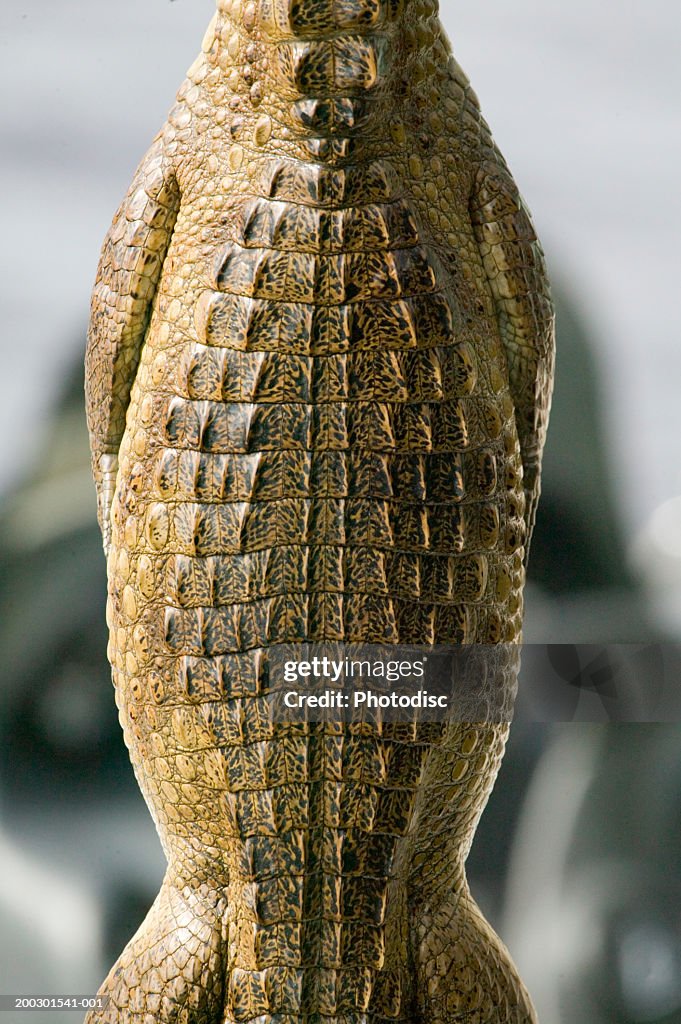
x,y
318,379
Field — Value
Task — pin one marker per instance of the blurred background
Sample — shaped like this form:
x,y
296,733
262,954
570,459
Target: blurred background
x,y
577,860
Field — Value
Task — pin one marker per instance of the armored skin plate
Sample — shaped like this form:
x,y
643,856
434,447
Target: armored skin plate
x,y
318,379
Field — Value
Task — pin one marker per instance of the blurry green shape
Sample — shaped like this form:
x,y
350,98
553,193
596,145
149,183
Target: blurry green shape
x,y
577,543
58,726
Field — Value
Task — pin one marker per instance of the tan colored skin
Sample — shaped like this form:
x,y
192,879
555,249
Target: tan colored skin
x,y
318,380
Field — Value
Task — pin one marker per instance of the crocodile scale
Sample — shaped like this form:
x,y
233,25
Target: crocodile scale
x,y
318,379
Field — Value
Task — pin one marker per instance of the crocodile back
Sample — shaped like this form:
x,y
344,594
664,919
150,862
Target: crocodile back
x,y
320,446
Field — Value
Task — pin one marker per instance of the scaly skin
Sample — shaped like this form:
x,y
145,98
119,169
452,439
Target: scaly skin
x,y
318,380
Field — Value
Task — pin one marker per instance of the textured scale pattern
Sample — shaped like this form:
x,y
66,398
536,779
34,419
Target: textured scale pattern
x,y
318,379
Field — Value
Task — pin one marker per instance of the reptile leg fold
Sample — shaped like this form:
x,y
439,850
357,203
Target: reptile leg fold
x,y
464,972
172,970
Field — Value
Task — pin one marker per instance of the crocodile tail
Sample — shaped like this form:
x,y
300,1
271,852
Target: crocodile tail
x,y
315,915
173,968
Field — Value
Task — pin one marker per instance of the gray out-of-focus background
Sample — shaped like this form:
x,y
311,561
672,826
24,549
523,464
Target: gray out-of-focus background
x,y
577,860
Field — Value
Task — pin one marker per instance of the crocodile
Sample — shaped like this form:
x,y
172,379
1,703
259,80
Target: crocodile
x,y
318,380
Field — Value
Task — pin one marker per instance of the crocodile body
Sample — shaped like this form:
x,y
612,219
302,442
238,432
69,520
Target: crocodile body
x,y
318,378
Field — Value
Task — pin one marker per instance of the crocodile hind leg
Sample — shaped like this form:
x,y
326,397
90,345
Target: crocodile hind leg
x,y
464,972
172,971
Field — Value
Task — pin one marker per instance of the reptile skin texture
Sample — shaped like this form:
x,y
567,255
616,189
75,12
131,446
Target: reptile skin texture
x,y
318,379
